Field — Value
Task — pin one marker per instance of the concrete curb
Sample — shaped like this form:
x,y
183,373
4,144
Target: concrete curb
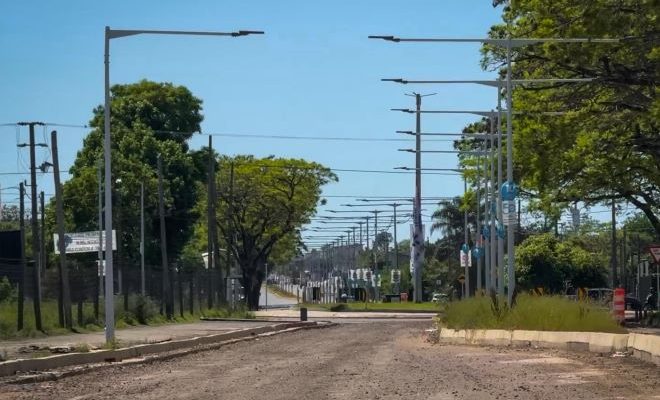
x,y
11,367
645,347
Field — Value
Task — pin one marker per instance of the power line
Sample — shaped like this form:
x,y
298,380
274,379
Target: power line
x,y
299,137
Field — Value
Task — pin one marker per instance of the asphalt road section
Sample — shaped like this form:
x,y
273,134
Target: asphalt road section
x,y
386,360
274,300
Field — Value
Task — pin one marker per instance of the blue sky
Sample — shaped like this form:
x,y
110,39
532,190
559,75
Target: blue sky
x,y
314,73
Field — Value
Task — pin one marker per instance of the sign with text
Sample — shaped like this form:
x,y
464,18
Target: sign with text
x,y
509,216
654,249
466,260
396,276
83,242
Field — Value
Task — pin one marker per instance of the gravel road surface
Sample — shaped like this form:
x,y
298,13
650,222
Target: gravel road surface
x,y
379,360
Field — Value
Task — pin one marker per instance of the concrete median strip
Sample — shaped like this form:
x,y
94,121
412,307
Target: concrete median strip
x,y
643,346
143,352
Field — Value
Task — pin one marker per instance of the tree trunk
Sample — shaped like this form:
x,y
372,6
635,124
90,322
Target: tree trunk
x,y
253,276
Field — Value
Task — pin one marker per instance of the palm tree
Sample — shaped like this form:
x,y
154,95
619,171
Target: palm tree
x,y
449,219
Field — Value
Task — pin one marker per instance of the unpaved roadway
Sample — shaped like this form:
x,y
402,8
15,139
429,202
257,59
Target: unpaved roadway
x,y
376,360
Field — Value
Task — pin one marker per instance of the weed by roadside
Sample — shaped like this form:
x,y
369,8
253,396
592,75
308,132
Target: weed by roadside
x,y
546,313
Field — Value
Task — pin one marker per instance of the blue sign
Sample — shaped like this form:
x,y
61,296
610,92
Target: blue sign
x,y
465,248
509,191
500,230
485,232
476,252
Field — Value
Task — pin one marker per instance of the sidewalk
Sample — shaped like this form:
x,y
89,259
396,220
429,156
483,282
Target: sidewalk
x,y
28,348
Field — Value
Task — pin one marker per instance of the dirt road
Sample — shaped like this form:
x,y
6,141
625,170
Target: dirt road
x,y
385,360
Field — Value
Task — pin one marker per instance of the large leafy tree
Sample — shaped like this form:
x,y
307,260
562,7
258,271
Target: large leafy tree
x,y
545,261
144,117
262,204
606,147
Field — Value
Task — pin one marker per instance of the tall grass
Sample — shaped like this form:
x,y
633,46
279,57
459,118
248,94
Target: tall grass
x,y
141,311
544,313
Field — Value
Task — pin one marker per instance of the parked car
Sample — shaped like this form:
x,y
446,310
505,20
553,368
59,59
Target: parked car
x,y
439,298
633,303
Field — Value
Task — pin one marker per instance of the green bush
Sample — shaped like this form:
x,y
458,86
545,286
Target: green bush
x,y
544,313
239,312
7,291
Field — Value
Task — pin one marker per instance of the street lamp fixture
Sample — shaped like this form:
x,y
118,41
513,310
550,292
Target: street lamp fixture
x,y
109,35
508,43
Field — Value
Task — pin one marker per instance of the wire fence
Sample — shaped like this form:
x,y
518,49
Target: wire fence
x,y
184,292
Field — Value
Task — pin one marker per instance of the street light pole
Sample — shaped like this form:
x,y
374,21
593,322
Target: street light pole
x,y
466,246
418,235
396,245
509,175
107,142
477,245
498,199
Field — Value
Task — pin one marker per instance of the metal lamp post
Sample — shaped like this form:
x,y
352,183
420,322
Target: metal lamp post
x,y
109,276
508,43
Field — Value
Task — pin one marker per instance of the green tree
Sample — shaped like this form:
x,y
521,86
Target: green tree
x,y
544,261
262,204
141,113
606,146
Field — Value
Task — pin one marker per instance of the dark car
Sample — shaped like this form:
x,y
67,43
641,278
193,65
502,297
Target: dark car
x,y
633,303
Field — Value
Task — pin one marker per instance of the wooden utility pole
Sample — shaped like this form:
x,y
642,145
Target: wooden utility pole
x,y
167,290
21,286
230,225
59,211
210,209
36,257
42,234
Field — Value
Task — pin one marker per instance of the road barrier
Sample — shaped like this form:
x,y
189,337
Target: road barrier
x,y
619,305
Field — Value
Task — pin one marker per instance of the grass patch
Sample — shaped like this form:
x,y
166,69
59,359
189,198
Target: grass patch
x,y
238,313
542,313
382,307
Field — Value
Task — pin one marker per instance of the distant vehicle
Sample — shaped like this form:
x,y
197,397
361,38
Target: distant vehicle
x,y
601,296
439,298
633,303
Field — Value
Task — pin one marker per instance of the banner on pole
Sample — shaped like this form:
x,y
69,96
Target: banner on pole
x,y
395,276
83,242
466,260
509,216
416,247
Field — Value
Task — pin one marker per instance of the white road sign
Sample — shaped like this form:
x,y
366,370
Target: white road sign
x,y
509,216
83,242
466,260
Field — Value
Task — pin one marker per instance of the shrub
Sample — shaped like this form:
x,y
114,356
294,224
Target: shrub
x,y
7,291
